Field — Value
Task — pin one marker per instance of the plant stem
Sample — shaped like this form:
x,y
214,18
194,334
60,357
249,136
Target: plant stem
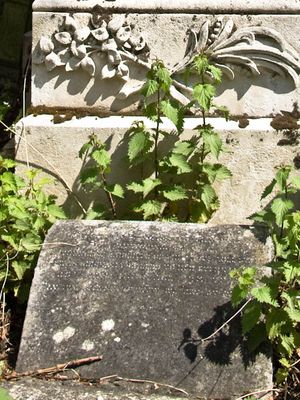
x,y
157,137
109,197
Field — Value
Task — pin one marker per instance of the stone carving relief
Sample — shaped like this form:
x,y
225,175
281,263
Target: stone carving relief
x,y
255,47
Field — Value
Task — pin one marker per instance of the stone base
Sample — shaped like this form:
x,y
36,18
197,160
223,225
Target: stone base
x,y
253,153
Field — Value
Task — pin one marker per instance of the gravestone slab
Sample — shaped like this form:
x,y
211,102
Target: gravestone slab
x,y
142,295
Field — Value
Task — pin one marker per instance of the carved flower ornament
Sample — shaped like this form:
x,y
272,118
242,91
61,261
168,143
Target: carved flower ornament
x,y
74,47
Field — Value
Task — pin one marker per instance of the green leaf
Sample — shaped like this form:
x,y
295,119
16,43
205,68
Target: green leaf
x,y
139,144
96,212
151,208
280,208
102,158
268,189
89,175
208,195
172,113
216,73
116,190
201,64
288,344
180,162
164,77
135,187
291,269
31,242
251,315
277,323
282,176
145,187
293,314
266,294
204,93
216,172
56,211
150,88
296,182
84,149
256,336
238,294
281,375
20,267
175,193
4,395
184,148
213,142
8,179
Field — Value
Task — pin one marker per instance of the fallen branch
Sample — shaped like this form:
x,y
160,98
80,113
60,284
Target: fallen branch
x,y
55,369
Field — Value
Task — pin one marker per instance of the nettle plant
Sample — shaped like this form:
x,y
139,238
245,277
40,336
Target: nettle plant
x,y
177,175
274,310
26,214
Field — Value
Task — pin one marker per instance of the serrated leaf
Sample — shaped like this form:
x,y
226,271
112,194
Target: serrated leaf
x,y
216,73
151,208
184,147
293,313
268,189
204,93
277,323
238,294
149,184
213,142
291,269
116,190
135,187
172,113
20,267
208,195
56,211
201,64
150,88
84,149
281,375
216,172
164,76
139,143
9,181
280,208
256,336
102,158
296,182
251,315
180,162
282,176
89,175
96,212
175,193
288,344
265,294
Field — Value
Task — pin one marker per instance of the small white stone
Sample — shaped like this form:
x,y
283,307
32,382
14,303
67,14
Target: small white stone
x,y
144,325
108,325
66,334
117,339
87,345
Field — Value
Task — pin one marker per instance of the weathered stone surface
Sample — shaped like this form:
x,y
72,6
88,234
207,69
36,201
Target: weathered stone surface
x,y
253,153
264,57
138,293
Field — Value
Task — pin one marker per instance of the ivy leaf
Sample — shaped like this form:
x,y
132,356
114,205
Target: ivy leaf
x,y
139,143
204,93
175,193
116,190
213,142
265,294
180,162
280,207
251,316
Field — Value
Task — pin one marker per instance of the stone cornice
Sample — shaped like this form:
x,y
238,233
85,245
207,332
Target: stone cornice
x,y
174,6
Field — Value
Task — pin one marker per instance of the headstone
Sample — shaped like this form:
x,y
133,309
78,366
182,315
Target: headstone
x,y
143,295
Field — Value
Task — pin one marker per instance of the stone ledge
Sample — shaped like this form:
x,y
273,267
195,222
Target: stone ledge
x,y
175,6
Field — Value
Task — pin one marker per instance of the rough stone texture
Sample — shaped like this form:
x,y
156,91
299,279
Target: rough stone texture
x,y
253,154
160,23
136,292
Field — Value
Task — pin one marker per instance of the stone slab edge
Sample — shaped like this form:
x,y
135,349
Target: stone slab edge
x,y
125,122
175,6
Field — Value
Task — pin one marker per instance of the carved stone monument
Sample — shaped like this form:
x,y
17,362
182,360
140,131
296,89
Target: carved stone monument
x,y
144,295
91,58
